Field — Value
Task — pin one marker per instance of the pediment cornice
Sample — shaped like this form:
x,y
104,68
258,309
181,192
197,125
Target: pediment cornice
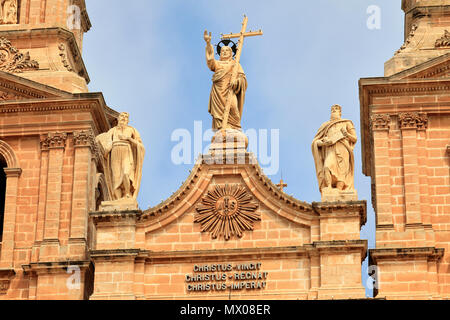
x,y
14,88
197,184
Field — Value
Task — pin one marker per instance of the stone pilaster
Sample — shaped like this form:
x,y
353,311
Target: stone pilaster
x,y
83,142
380,124
409,124
9,223
55,143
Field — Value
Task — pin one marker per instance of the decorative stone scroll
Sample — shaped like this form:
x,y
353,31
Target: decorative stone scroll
x,y
64,57
53,140
444,41
380,122
413,120
228,210
11,60
8,11
408,40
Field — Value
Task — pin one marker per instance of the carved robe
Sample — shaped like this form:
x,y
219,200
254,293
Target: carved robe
x,y
8,11
124,159
220,91
338,157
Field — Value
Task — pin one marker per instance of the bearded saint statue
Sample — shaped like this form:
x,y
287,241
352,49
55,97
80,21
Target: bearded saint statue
x,y
332,149
223,89
124,153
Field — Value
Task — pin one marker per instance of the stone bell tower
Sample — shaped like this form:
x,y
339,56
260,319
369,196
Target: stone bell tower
x,y
42,40
405,121
52,169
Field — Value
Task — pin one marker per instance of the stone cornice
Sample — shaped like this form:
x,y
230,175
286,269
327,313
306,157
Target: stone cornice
x,y
12,172
93,103
114,253
7,274
342,209
114,215
430,253
398,87
435,68
53,267
306,251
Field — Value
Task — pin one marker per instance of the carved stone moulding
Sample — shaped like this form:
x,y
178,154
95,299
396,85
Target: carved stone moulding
x,y
444,41
413,120
380,122
53,140
227,210
84,139
6,275
11,60
408,40
64,57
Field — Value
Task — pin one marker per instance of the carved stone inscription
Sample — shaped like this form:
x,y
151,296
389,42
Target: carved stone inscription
x,y
221,277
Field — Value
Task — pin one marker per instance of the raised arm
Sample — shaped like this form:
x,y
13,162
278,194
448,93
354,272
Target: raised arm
x,y
210,61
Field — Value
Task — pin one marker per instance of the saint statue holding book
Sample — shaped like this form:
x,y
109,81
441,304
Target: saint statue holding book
x,y
332,149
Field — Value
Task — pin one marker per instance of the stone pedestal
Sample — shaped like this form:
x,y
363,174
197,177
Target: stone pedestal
x,y
229,140
227,147
341,251
114,254
119,205
335,195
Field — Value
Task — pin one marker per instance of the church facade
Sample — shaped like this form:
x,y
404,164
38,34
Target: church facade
x,y
228,232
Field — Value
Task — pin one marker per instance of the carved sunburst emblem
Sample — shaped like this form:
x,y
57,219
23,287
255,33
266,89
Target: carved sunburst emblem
x,y
227,210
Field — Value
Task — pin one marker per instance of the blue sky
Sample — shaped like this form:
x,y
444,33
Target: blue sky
x,y
148,58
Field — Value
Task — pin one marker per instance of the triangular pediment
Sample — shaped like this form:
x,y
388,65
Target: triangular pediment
x,y
229,203
435,68
16,88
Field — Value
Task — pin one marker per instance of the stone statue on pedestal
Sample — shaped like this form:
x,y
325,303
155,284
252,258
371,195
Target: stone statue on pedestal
x,y
124,153
225,87
332,149
227,97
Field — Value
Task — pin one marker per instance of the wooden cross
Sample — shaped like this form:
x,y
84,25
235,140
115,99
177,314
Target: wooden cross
x,y
282,185
234,74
